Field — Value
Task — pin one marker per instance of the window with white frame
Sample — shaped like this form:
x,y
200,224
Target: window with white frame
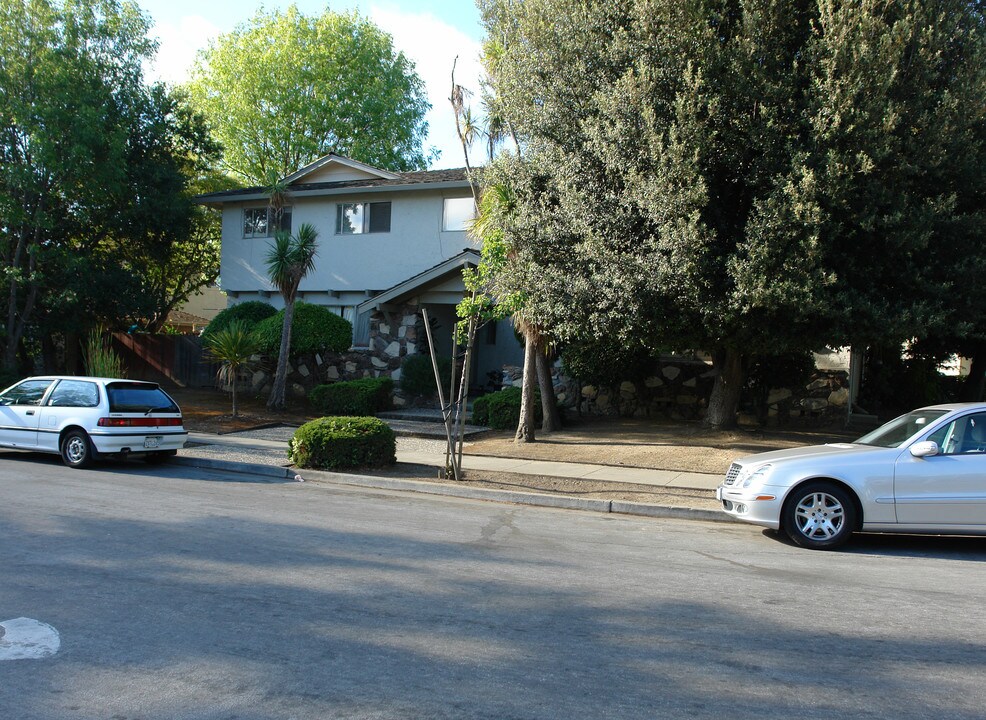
x,y
259,222
360,218
458,213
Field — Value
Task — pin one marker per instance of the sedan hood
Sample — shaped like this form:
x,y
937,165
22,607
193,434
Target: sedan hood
x,y
801,453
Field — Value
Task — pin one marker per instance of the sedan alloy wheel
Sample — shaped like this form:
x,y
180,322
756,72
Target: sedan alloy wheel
x,y
819,515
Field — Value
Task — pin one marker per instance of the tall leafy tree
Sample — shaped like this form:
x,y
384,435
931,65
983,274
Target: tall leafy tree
x,y
289,259
743,177
284,89
94,173
66,74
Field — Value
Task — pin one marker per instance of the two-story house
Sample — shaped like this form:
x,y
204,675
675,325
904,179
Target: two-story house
x,y
389,244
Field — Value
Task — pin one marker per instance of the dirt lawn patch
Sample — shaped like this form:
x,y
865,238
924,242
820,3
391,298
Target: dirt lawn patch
x,y
626,442
648,443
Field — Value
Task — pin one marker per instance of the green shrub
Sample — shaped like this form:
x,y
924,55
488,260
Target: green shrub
x,y
315,328
355,397
332,443
501,410
249,313
607,361
418,376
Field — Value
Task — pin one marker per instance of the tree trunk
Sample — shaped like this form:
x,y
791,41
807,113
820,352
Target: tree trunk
x,y
525,428
550,417
73,346
235,374
276,400
725,397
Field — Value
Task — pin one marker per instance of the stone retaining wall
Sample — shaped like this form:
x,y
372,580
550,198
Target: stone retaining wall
x,y
680,391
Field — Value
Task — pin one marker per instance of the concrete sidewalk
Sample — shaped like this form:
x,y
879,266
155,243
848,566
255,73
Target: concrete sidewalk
x,y
240,448
267,459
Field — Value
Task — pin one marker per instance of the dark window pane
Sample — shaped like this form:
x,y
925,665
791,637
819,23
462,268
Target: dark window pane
x,y
379,217
139,397
74,393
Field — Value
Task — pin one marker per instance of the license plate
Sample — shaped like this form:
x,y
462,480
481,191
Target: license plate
x,y
718,493
152,442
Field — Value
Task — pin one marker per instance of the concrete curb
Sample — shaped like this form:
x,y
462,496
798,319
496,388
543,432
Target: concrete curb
x,y
273,472
566,502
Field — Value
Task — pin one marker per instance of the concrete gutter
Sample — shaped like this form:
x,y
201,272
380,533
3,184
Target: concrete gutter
x,y
278,473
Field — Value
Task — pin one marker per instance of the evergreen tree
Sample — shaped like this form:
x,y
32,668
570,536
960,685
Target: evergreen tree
x,y
746,178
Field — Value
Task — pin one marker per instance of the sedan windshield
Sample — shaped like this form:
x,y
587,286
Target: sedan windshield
x,y
898,430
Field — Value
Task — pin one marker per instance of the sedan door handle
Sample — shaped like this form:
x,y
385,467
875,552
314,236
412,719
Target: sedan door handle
x,y
29,412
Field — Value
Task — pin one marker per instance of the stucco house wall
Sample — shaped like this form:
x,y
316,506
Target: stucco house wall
x,y
367,278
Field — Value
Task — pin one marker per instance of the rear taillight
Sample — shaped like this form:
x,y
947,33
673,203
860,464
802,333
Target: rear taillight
x,y
139,422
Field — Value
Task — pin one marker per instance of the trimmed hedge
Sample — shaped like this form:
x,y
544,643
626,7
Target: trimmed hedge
x,y
418,376
332,443
314,328
249,313
367,396
501,410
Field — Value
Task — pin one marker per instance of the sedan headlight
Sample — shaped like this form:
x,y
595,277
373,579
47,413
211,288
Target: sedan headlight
x,y
748,477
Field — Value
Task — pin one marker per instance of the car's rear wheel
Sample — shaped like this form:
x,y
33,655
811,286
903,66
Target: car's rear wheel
x,y
819,515
162,456
76,449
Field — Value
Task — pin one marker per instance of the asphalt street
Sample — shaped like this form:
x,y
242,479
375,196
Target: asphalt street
x,y
177,592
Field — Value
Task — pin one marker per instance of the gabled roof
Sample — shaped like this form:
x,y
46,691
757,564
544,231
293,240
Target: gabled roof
x,y
377,180
415,284
332,158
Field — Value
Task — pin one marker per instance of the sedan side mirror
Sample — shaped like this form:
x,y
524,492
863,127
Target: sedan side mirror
x,y
924,449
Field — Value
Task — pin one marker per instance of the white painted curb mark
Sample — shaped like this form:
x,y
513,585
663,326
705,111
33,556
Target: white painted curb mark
x,y
27,639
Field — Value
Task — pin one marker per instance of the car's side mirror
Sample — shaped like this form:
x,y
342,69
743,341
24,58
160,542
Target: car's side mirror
x,y
924,449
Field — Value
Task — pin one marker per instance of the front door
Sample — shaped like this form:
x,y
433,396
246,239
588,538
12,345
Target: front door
x,y
20,413
948,488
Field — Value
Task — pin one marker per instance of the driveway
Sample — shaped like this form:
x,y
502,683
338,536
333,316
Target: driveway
x,y
184,593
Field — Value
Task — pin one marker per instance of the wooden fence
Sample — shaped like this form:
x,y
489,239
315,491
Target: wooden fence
x,y
173,359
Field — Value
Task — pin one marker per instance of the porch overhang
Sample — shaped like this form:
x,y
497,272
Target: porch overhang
x,y
430,286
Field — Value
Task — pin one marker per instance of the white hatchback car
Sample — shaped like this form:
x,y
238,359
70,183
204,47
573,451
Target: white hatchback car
x,y
85,418
924,472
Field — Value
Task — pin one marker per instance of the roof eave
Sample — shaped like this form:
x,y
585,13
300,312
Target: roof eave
x,y
219,199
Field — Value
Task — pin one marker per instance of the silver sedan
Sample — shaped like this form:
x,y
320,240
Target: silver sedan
x,y
923,472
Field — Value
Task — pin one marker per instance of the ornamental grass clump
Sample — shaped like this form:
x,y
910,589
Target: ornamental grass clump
x,y
334,443
99,358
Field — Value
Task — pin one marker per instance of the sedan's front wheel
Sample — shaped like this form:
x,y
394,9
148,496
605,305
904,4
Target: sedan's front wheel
x,y
819,516
76,449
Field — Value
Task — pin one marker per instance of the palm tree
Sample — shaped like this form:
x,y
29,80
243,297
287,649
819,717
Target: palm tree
x,y
465,126
234,346
289,259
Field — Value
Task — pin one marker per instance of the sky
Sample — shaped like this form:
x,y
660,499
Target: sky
x,y
432,33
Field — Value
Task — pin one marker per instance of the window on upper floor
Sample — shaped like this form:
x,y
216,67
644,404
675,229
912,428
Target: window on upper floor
x,y
458,213
259,222
359,218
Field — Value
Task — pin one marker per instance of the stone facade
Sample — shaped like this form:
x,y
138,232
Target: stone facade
x,y
393,336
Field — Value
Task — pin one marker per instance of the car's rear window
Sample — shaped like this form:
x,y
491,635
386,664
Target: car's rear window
x,y
139,397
